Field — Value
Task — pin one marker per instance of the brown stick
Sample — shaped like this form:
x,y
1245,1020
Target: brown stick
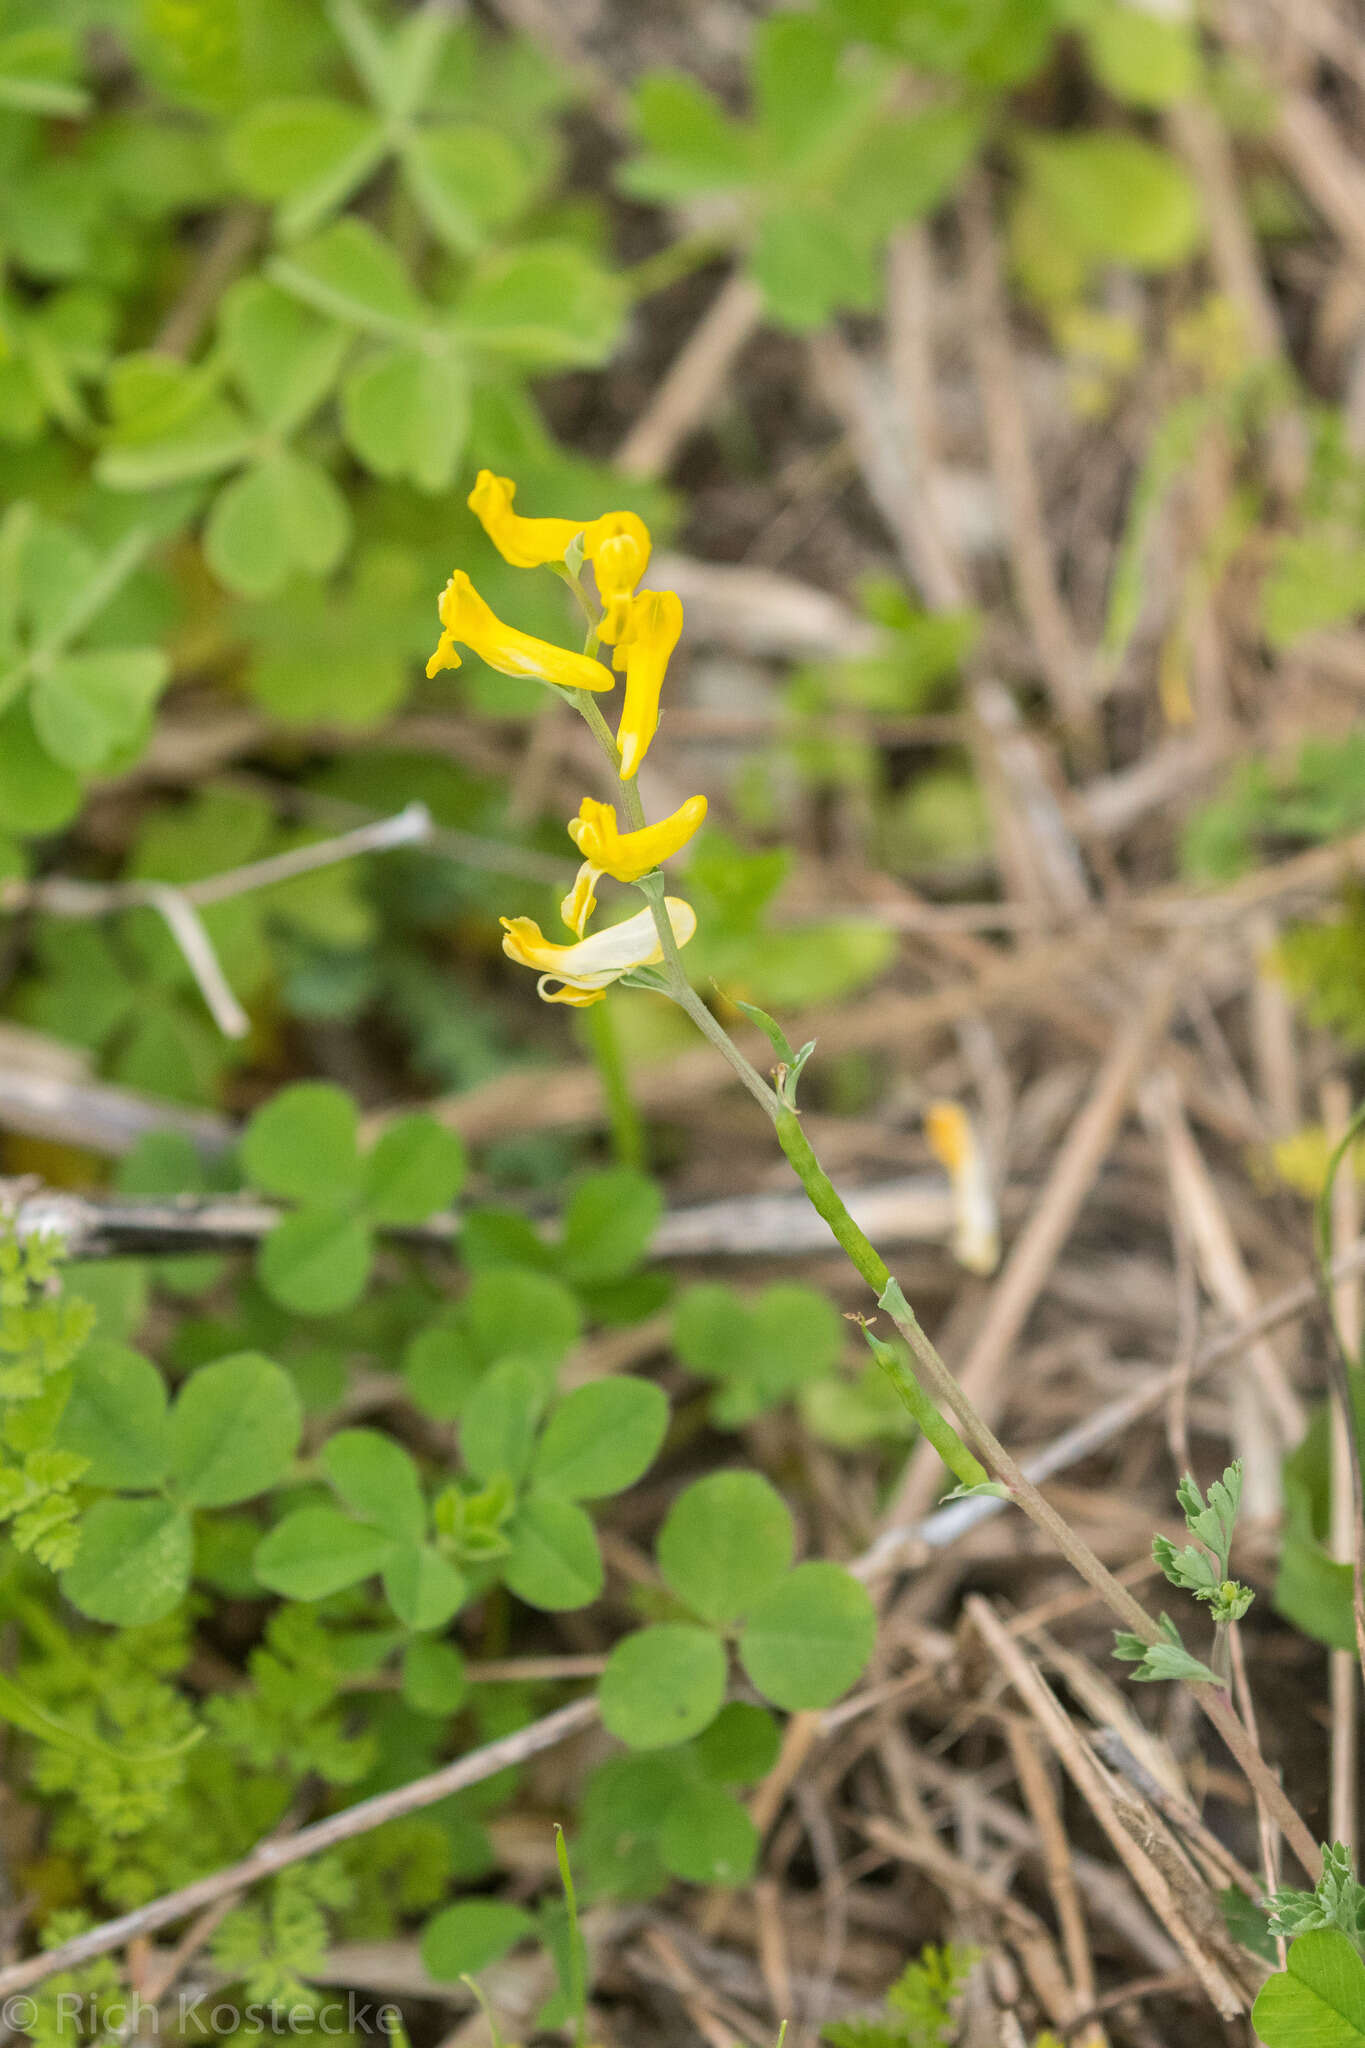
x,y
1086,1774
693,380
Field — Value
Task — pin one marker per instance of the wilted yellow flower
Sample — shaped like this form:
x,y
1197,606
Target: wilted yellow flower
x,y
953,1141
465,617
617,544
580,974
625,856
646,629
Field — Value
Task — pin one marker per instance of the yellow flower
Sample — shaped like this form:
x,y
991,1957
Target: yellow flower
x,y
525,543
625,856
617,544
645,629
582,973
465,617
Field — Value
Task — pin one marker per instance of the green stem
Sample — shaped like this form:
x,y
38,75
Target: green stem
x,y
627,1131
827,1202
578,1975
667,265
938,1385
652,888
935,1428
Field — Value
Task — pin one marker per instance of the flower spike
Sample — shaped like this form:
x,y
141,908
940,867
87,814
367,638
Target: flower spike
x,y
646,630
625,856
581,974
465,617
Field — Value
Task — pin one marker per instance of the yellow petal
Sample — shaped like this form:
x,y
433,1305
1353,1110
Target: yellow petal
x,y
581,901
649,632
602,958
625,856
525,543
465,617
618,546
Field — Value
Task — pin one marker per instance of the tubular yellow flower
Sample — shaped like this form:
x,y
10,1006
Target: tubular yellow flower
x,y
525,543
618,547
625,856
465,617
645,629
582,973
617,544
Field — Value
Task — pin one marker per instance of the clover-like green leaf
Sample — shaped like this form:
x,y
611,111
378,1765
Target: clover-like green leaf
x,y
133,1564
662,1684
234,1430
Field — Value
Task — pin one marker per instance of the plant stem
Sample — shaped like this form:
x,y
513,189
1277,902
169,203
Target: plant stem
x,y
652,888
627,1131
946,1392
654,273
937,1383
826,1200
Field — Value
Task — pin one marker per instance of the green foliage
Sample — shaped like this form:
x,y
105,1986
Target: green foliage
x,y
1336,1901
275,282
1270,805
761,1351
814,182
673,1812
230,1436
73,700
919,2004
1318,2000
1200,1568
41,1332
803,1634
741,946
1313,1590
304,1146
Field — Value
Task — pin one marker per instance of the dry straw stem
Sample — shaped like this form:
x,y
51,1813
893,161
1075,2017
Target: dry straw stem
x,y
1026,1933
1041,1799
1007,438
1213,1700
1035,1251
1098,1791
694,380
1268,1417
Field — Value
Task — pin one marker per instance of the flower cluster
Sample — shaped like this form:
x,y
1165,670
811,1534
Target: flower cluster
x,y
643,628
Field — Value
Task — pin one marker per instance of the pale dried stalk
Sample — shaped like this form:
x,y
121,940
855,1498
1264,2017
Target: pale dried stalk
x,y
1035,1251
1267,1414
1085,1772
1041,1800
693,381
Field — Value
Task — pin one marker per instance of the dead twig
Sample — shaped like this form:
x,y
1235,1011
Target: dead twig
x,y
694,379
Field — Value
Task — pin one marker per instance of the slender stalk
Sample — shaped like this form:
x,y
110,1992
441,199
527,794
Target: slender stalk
x,y
677,260
935,1382
680,988
627,1131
